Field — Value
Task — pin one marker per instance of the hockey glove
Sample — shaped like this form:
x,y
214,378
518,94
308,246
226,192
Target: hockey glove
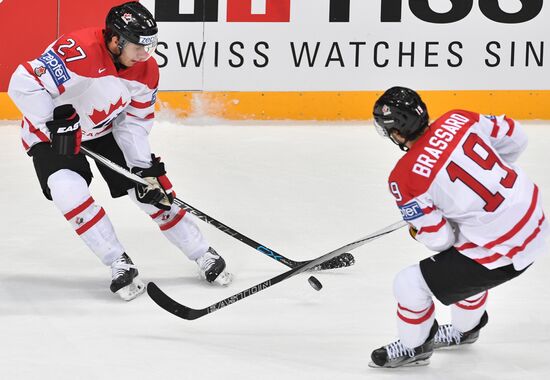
x,y
159,190
65,132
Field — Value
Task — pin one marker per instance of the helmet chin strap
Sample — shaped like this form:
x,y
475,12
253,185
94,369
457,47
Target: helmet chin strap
x,y
401,145
116,56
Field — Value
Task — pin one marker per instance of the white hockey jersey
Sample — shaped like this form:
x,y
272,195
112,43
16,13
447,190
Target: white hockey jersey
x,y
458,185
78,69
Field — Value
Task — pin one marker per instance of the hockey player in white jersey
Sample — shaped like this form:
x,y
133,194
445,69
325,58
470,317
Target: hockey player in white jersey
x,y
461,193
97,87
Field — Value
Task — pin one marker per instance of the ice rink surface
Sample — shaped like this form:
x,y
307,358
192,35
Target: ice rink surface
x,y
300,190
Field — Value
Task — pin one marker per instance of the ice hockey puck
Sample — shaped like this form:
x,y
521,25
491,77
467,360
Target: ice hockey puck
x,y
315,284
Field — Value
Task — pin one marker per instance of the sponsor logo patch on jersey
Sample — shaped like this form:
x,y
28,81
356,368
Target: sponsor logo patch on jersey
x,y
411,211
154,97
55,66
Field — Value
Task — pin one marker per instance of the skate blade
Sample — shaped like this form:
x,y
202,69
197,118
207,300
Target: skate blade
x,y
452,347
131,291
418,363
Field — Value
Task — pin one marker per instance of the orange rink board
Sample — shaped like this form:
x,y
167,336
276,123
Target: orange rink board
x,y
331,106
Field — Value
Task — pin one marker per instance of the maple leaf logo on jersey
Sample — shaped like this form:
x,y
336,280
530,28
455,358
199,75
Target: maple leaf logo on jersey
x,y
39,71
98,116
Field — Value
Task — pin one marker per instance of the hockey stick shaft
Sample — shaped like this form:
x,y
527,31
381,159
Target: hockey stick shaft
x,y
182,311
202,216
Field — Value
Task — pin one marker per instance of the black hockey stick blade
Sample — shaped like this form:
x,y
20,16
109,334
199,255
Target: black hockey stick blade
x,y
342,261
170,305
185,312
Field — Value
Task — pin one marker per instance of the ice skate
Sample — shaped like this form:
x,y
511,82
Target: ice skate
x,y
124,279
447,336
212,268
396,355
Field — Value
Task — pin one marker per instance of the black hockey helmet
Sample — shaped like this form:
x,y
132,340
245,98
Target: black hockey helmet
x,y
132,22
400,109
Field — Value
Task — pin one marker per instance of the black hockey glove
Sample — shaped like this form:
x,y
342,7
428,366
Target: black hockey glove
x,y
413,231
159,190
65,132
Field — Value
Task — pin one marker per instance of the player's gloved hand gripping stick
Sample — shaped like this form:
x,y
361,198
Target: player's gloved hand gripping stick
x,y
65,132
339,261
158,190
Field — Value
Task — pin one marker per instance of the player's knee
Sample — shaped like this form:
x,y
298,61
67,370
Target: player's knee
x,y
68,189
409,286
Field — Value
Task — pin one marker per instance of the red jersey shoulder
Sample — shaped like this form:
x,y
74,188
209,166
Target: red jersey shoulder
x,y
417,169
472,116
146,73
400,183
84,53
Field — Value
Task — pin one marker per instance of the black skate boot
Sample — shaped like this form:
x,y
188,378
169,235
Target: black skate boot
x,y
448,336
396,355
212,268
124,278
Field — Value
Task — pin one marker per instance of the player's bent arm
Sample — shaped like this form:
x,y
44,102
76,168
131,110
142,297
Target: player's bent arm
x,y
32,99
132,136
507,136
434,231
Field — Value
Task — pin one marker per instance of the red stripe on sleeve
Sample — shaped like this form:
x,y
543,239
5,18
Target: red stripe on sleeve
x,y
511,126
435,228
71,214
496,128
140,105
427,210
148,117
92,222
37,132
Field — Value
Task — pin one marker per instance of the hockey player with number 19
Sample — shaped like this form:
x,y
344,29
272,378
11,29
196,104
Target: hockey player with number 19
x,y
463,196
98,88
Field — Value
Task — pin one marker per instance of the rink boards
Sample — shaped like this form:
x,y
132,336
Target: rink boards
x,y
334,106
320,59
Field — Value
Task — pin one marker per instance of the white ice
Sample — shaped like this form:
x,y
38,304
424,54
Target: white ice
x,y
301,190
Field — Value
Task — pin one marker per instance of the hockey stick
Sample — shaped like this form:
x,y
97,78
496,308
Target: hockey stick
x,y
188,313
344,260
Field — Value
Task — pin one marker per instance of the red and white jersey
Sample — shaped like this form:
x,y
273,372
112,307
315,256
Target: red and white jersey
x,y
78,69
458,185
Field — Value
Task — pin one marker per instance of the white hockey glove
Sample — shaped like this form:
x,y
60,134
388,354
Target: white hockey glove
x,y
159,190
